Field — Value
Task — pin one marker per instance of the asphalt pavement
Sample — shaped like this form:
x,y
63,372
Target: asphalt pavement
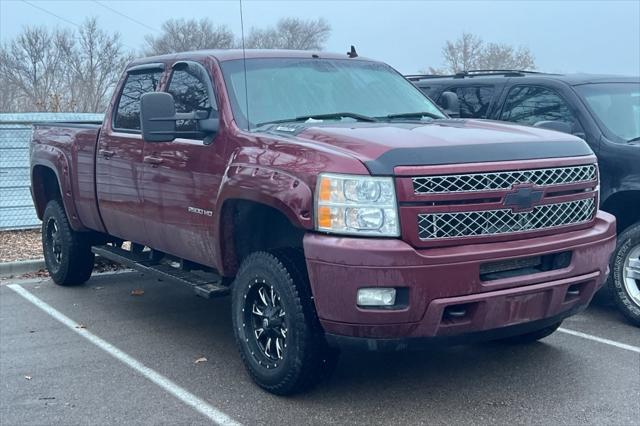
x,y
97,354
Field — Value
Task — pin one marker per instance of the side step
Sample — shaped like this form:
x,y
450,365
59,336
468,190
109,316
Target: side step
x,y
205,287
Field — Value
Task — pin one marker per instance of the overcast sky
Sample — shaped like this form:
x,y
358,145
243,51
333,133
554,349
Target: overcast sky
x,y
564,36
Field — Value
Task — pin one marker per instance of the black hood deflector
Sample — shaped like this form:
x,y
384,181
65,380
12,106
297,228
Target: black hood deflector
x,y
456,154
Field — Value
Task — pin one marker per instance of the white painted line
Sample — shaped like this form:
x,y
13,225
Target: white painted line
x,y
182,394
631,348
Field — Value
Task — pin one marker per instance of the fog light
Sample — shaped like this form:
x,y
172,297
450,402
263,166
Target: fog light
x,y
378,296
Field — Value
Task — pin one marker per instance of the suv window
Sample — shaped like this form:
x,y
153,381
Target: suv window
x,y
474,100
531,104
190,94
128,111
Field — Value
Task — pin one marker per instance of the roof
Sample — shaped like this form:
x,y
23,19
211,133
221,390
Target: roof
x,y
571,79
234,54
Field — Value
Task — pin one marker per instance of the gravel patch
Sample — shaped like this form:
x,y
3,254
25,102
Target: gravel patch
x,y
20,245
27,245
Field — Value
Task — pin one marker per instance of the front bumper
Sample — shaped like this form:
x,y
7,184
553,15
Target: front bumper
x,y
438,278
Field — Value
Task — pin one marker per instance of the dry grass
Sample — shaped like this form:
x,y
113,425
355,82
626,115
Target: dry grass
x,y
20,245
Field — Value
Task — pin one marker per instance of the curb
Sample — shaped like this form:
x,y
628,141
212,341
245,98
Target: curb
x,y
21,267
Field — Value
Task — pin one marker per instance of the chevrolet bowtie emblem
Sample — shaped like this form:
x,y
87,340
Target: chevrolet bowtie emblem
x,y
523,198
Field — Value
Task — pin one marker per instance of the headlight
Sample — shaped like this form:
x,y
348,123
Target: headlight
x,y
361,205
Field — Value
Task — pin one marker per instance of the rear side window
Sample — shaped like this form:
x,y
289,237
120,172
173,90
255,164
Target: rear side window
x,y
190,94
531,104
128,111
474,100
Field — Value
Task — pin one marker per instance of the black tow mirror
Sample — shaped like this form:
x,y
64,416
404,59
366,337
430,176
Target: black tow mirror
x,y
558,126
450,103
158,117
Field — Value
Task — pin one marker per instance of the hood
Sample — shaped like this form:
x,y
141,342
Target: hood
x,y
383,146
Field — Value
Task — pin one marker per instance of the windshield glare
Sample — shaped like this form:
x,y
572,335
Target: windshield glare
x,y
286,88
617,106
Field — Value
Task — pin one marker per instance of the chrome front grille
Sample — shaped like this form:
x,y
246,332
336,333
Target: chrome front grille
x,y
491,181
504,221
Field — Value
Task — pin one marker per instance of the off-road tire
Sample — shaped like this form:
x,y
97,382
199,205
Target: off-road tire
x,y
306,359
532,336
628,240
68,259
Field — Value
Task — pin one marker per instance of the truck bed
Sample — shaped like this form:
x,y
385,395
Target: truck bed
x,y
69,148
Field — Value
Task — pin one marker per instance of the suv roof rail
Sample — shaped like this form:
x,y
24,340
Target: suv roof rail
x,y
474,73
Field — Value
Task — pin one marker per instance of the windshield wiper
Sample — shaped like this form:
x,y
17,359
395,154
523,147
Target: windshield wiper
x,y
636,139
417,115
334,115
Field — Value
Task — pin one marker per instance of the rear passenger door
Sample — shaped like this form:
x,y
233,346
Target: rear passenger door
x,y
119,158
530,104
181,178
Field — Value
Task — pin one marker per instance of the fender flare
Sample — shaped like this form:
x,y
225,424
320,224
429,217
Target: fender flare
x,y
55,160
279,190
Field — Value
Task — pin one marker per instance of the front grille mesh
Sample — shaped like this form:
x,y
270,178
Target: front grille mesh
x,y
503,221
503,180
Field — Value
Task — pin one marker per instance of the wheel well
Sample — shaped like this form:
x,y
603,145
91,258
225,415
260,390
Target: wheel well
x,y
249,226
621,205
45,188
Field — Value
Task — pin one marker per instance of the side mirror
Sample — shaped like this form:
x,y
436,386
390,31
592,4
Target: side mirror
x,y
558,126
157,117
450,103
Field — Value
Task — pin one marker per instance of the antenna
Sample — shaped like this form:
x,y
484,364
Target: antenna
x,y
244,63
352,53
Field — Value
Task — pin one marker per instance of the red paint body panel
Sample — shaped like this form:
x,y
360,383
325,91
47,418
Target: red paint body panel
x,y
109,185
440,277
69,152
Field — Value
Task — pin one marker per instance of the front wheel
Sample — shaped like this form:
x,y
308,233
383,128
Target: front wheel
x,y
67,253
624,282
276,328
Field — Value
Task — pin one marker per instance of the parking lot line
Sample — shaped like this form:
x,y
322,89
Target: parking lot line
x,y
182,394
601,340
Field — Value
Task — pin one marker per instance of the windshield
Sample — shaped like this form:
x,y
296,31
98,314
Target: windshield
x,y
286,88
617,106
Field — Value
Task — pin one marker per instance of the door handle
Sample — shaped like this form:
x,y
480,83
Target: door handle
x,y
106,153
154,161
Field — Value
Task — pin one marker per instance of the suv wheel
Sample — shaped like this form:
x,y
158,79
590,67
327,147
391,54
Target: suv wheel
x,y
624,282
67,254
275,325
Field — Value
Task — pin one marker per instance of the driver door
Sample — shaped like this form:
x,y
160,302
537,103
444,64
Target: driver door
x,y
180,179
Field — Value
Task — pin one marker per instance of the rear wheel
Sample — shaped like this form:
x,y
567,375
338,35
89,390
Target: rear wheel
x,y
624,282
67,253
276,328
533,336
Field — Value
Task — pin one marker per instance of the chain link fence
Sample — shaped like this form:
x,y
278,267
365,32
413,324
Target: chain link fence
x,y
16,206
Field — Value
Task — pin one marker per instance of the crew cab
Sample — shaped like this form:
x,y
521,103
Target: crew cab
x,y
604,110
336,203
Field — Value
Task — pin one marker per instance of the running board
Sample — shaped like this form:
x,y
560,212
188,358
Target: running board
x,y
204,287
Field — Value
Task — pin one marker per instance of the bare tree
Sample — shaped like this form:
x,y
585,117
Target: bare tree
x,y
471,52
94,64
464,53
32,67
503,56
291,33
179,35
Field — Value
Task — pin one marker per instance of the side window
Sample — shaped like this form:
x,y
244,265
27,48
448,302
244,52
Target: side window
x,y
190,94
531,104
128,111
474,100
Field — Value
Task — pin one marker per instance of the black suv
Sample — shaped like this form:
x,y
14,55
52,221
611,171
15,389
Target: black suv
x,y
603,110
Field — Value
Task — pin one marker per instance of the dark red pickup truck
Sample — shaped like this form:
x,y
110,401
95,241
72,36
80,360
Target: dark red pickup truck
x,y
334,201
